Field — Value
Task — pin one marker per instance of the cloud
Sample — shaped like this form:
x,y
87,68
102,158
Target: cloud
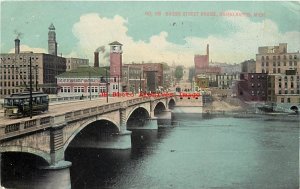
x,y
29,49
93,31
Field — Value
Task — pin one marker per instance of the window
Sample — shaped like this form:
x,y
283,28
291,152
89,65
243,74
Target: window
x,y
282,100
289,100
278,57
274,57
278,63
262,57
267,63
295,63
267,57
290,56
274,70
262,64
263,71
278,70
284,63
292,85
290,63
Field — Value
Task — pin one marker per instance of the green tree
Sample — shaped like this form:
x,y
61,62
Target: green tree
x,y
178,72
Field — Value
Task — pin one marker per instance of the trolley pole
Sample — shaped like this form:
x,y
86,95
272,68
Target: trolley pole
x,y
30,88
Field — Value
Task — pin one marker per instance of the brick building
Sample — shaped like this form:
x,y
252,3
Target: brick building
x,y
15,68
252,87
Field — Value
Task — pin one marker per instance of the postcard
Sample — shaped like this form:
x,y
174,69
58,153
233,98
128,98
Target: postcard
x,y
149,94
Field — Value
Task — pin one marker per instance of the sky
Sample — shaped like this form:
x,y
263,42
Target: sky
x,y
164,31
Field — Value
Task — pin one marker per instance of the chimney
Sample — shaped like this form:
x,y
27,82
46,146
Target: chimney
x,y
207,49
96,59
17,46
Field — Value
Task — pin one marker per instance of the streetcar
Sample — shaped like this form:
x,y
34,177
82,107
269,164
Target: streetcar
x,y
17,104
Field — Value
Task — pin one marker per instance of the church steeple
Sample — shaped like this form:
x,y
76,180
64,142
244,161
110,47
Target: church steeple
x,y
52,45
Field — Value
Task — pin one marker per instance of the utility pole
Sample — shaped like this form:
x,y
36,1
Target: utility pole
x,y
30,88
118,85
140,82
90,84
106,87
36,78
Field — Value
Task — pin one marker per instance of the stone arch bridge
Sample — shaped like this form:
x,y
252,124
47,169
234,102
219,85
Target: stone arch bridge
x,y
49,136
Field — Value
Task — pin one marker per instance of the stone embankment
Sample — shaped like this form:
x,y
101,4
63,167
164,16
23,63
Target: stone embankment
x,y
226,105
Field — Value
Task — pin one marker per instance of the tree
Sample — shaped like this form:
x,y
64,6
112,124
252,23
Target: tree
x,y
178,72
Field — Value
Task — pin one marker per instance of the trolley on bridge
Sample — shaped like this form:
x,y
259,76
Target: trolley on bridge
x,y
18,104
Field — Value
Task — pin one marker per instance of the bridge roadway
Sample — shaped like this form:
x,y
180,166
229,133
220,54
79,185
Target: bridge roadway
x,y
58,108
48,135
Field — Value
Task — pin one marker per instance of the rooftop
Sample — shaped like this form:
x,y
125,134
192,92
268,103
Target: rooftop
x,y
85,71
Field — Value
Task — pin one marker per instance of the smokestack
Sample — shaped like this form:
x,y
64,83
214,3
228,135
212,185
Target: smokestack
x,y
207,49
96,59
17,46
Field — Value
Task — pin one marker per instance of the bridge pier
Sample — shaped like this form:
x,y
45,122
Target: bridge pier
x,y
57,152
165,118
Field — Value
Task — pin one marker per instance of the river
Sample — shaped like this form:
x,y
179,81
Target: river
x,y
199,152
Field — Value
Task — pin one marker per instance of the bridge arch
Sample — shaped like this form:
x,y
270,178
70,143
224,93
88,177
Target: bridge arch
x,y
159,107
139,110
24,149
171,103
295,109
137,117
89,123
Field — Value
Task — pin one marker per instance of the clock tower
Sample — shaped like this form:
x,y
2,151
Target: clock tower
x,y
116,59
52,45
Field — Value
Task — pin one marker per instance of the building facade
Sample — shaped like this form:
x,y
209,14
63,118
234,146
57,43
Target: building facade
x,y
201,62
227,81
276,59
248,66
284,88
252,87
15,70
201,82
84,81
74,63
133,78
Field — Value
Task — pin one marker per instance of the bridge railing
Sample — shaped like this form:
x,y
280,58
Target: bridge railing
x,y
17,128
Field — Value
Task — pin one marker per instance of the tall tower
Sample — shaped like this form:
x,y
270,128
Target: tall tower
x,y
17,46
52,45
207,52
116,59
